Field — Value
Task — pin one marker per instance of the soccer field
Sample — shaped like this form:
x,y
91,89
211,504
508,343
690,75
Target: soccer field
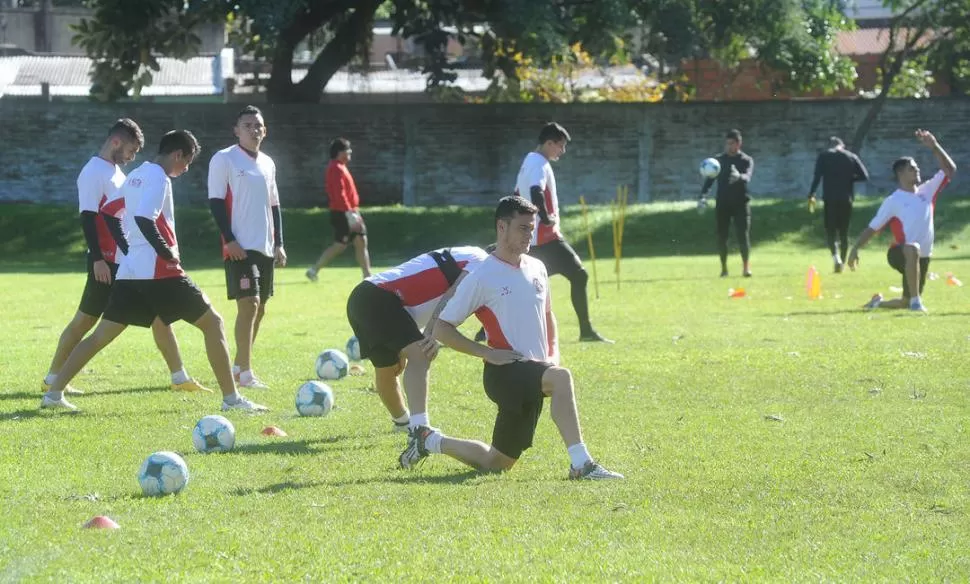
x,y
769,437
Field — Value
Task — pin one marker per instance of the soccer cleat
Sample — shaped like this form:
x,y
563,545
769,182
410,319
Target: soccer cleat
x,y
724,273
190,386
400,427
592,471
594,337
747,273
311,274
917,306
838,267
415,451
69,390
243,404
57,404
873,302
252,383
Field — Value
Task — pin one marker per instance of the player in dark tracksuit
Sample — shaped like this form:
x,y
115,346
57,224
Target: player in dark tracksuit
x,y
733,199
839,170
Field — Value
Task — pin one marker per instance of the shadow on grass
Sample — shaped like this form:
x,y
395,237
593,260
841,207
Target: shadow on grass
x,y
276,488
21,415
293,447
411,479
21,395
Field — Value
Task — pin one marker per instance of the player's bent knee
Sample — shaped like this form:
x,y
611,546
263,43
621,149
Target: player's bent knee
x,y
495,461
556,379
83,322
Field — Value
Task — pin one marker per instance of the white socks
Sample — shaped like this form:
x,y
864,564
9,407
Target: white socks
x,y
578,455
180,376
433,442
915,301
418,420
403,419
836,258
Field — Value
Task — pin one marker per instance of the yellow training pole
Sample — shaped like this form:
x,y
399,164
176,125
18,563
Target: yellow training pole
x,y
592,251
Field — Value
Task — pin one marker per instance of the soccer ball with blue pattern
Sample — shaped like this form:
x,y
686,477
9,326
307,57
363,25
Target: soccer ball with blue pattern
x,y
314,399
213,434
353,349
710,168
163,473
332,364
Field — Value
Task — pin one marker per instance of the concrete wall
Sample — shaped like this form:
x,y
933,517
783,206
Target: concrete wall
x,y
468,154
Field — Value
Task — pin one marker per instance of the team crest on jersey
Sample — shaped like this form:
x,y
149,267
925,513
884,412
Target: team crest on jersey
x,y
135,182
538,284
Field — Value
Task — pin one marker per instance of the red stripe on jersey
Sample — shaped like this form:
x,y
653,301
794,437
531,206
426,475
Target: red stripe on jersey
x,y
105,242
943,183
114,207
896,226
496,338
547,233
421,287
225,250
166,268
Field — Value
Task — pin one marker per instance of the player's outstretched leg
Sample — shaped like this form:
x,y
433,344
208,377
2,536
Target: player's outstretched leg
x,y
217,350
75,330
102,336
362,255
168,346
424,441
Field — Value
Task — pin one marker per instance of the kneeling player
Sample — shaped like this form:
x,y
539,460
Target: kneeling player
x,y
150,282
388,312
509,293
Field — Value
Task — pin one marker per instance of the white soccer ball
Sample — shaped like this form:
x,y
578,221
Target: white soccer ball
x,y
163,473
710,168
332,364
314,399
213,434
353,349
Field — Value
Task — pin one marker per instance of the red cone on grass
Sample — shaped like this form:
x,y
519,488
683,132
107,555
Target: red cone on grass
x,y
101,522
273,431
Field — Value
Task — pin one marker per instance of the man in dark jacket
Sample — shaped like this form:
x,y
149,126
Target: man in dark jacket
x,y
733,199
839,170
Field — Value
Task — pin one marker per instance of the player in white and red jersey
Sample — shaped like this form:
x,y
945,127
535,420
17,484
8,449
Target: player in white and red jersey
x,y
537,182
509,293
908,212
388,312
97,187
245,203
151,284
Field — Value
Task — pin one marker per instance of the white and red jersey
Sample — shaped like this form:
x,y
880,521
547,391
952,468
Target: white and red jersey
x,y
248,186
512,303
421,281
148,193
536,171
97,185
910,215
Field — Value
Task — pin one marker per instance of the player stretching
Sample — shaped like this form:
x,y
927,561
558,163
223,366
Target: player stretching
x,y
245,203
733,200
388,312
509,293
345,217
151,283
909,213
98,182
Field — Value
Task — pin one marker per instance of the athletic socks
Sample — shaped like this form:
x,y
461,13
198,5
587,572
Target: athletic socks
x,y
403,419
578,455
180,376
418,420
50,378
433,442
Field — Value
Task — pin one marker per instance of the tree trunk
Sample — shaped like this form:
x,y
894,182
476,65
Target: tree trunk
x,y
875,108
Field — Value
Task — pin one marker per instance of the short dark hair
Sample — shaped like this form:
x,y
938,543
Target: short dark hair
x,y
127,128
901,163
835,142
249,110
553,131
179,140
509,207
734,134
337,146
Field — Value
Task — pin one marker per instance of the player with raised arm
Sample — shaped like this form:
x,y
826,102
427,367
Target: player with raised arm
x,y
908,212
388,312
97,187
245,204
151,283
733,201
509,293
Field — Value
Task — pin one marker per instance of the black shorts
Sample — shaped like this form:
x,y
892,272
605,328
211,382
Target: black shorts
x,y
139,302
250,277
341,227
516,389
381,324
838,213
898,262
95,296
559,258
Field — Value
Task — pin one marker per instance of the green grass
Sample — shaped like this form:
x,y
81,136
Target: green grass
x,y
764,438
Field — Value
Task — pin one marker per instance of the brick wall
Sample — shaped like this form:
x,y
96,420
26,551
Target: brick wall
x,y
468,154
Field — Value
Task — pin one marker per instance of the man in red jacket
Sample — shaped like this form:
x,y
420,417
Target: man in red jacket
x,y
348,225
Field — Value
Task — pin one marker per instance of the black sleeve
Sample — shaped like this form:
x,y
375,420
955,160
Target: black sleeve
x,y
539,200
150,231
860,170
117,233
221,214
707,185
90,229
277,226
818,173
